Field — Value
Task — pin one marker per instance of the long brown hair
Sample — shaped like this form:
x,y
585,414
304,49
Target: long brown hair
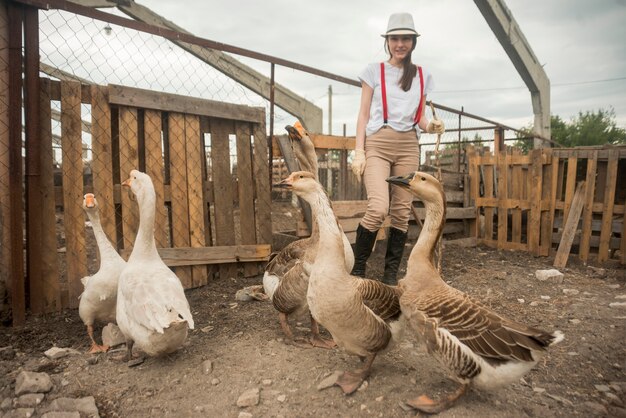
x,y
408,69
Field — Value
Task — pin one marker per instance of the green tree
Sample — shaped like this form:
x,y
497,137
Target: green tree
x,y
588,128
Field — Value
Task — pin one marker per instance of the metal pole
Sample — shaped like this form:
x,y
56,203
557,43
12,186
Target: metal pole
x,y
330,109
458,156
18,294
270,144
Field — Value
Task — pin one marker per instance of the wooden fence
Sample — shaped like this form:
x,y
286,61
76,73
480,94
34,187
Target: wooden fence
x,y
522,201
209,220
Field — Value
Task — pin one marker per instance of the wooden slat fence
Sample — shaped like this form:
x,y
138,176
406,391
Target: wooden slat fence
x,y
522,200
210,217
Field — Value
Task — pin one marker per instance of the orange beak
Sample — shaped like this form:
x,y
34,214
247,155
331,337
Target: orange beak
x,y
126,182
90,201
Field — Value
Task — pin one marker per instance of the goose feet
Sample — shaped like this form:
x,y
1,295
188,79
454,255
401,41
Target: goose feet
x,y
349,382
316,339
95,347
425,404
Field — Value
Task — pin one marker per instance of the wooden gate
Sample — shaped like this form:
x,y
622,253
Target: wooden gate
x,y
208,163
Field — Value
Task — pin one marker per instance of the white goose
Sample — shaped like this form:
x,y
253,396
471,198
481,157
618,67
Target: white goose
x,y
357,312
286,276
479,346
97,302
152,310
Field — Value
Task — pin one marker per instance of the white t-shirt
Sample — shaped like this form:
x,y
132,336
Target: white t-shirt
x,y
401,105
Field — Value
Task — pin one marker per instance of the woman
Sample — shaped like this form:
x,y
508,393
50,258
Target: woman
x,y
393,100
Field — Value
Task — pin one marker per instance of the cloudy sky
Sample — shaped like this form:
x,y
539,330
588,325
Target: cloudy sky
x,y
581,44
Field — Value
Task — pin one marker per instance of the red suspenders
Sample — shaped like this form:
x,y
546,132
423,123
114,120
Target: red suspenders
x,y
383,90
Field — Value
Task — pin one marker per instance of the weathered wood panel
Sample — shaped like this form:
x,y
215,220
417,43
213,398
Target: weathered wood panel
x,y
180,200
503,213
195,185
245,185
102,164
609,203
225,254
50,287
5,224
223,190
155,168
262,183
588,208
129,160
71,143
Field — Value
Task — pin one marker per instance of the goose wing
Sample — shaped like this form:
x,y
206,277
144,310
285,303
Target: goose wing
x,y
290,294
382,299
284,260
156,303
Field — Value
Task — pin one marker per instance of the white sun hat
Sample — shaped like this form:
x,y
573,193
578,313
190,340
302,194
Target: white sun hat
x,y
400,24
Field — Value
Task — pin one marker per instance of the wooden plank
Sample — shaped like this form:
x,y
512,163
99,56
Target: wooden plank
x,y
594,241
599,208
534,221
50,286
262,185
102,163
569,231
223,190
622,247
73,215
596,225
197,223
503,215
474,181
322,141
516,193
570,185
5,202
131,96
129,160
205,131
245,185
588,207
178,182
155,168
548,195
488,187
609,202
199,256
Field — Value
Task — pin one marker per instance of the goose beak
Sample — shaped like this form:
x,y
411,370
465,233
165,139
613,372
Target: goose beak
x,y
402,181
90,200
126,182
293,133
285,184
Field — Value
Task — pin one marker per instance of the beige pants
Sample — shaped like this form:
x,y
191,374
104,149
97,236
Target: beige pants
x,y
389,153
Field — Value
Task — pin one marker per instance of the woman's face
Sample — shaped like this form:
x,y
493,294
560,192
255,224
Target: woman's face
x,y
400,46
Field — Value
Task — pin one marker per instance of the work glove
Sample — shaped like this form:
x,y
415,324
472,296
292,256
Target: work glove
x,y
435,126
358,164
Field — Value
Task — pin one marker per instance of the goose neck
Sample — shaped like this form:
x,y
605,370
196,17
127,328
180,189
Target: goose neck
x,y
144,242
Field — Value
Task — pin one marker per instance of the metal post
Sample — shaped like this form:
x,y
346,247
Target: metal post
x,y
270,141
18,294
458,156
330,109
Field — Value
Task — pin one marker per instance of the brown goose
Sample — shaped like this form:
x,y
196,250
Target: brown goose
x,y
479,346
286,276
357,312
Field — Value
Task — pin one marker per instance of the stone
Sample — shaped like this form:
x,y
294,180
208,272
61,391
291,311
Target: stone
x,y
570,292
602,388
597,271
7,353
267,382
329,381
6,404
614,399
551,274
56,353
249,398
380,399
32,382
30,400
215,382
281,398
86,405
61,414
520,300
544,297
613,286
618,305
207,366
574,321
244,414
538,390
596,408
20,413
534,303
112,335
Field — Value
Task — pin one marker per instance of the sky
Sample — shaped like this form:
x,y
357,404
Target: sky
x,y
580,43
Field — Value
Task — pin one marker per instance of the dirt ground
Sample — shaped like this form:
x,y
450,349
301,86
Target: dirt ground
x,y
243,341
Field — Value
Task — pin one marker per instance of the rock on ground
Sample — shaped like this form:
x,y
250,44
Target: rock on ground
x,y
112,335
32,382
249,398
552,274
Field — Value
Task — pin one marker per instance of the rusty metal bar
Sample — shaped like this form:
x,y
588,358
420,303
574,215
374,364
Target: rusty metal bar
x,y
179,36
270,139
34,213
18,291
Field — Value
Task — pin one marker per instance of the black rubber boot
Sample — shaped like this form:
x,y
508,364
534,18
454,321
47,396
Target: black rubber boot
x,y
395,249
365,240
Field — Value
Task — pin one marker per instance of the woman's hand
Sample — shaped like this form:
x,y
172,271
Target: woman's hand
x,y
358,164
435,126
